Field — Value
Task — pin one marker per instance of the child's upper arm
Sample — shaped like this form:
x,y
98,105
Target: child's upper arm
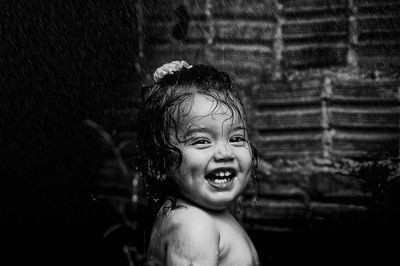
x,y
192,239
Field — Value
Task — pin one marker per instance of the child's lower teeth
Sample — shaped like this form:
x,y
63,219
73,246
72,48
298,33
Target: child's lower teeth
x,y
221,180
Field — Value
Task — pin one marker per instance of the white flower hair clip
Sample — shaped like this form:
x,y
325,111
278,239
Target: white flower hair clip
x,y
169,68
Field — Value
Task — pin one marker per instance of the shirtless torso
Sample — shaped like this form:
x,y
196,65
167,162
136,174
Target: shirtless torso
x,y
190,235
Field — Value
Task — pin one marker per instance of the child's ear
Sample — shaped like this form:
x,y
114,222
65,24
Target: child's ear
x,y
173,167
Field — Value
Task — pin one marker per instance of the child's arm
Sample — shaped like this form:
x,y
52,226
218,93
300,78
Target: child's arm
x,y
192,239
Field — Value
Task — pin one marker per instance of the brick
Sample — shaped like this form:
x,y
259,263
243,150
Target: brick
x,y
245,55
365,91
287,118
383,8
356,144
246,63
244,31
244,9
307,28
287,178
244,75
364,117
378,38
314,55
385,50
293,144
379,24
282,93
296,5
367,3
376,60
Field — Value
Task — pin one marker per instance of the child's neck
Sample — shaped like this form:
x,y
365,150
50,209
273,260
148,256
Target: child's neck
x,y
187,201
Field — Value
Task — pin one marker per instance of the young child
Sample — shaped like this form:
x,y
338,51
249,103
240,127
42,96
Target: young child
x,y
197,161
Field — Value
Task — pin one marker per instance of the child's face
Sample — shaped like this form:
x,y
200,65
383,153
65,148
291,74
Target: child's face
x,y
216,156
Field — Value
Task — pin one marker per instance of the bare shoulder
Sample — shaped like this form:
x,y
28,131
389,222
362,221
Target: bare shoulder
x,y
196,215
191,237
192,222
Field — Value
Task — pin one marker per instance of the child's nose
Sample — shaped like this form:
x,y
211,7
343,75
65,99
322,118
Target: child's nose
x,y
223,152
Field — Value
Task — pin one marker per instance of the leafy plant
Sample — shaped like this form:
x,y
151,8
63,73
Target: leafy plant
x,y
126,231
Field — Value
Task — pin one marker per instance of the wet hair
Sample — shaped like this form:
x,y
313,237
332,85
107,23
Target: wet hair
x,y
164,106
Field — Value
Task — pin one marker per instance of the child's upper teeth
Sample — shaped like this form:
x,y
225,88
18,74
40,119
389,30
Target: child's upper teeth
x,y
227,173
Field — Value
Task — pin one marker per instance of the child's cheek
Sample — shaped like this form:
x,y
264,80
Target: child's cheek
x,y
194,161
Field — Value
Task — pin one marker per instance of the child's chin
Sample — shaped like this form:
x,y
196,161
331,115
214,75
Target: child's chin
x,y
218,205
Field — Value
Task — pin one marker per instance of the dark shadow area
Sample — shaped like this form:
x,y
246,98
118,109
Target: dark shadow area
x,y
334,247
61,63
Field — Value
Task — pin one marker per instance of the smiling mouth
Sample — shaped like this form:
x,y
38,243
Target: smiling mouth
x,y
221,178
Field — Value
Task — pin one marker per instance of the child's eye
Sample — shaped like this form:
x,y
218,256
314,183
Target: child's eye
x,y
238,139
201,142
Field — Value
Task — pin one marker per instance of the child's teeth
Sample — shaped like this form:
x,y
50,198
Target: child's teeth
x,y
222,174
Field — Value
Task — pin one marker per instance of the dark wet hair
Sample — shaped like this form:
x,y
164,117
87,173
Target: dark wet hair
x,y
163,105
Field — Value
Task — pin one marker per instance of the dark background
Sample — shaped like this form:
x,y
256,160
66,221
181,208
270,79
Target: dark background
x,y
64,62
61,62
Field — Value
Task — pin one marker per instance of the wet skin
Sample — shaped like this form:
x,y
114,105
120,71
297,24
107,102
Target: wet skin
x,y
214,171
216,155
191,235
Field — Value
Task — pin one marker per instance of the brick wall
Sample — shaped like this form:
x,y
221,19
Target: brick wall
x,y
321,81
320,78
